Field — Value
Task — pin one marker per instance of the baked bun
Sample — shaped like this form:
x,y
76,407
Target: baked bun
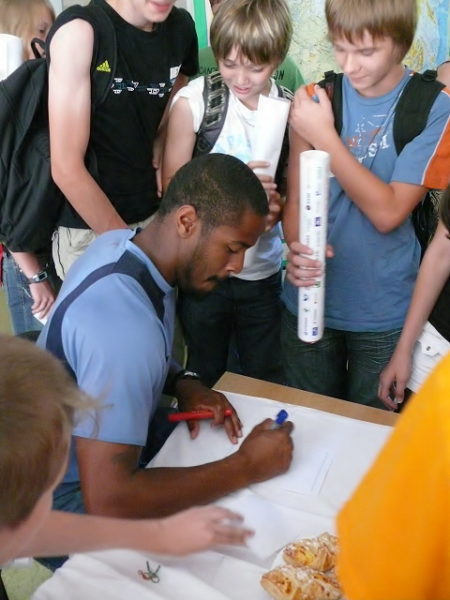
x,y
318,553
291,583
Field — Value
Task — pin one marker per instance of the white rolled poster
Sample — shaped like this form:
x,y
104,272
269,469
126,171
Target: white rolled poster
x,y
313,215
270,125
11,54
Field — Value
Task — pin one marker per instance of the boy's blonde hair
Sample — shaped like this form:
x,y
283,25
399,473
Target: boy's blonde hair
x,y
18,17
37,402
396,19
261,30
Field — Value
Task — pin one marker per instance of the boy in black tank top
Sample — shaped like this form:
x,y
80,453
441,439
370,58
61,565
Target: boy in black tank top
x,y
156,53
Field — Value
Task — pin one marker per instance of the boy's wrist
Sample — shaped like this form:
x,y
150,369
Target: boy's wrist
x,y
38,277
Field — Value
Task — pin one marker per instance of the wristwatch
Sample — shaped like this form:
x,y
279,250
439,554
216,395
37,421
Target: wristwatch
x,y
38,278
186,375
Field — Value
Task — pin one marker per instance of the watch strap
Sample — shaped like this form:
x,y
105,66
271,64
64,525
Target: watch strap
x,y
38,278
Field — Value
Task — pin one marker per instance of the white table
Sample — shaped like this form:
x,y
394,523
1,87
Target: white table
x,y
333,448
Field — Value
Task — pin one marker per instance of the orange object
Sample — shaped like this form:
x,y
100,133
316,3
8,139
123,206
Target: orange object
x,y
395,530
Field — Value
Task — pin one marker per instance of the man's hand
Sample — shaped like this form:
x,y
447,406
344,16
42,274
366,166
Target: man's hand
x,y
267,452
393,380
302,270
193,395
312,117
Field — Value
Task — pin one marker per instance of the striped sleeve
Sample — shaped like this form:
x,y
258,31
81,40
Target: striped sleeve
x,y
426,159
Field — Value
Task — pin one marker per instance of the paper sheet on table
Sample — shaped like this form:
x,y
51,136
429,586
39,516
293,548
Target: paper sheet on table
x,y
347,446
112,575
274,525
325,445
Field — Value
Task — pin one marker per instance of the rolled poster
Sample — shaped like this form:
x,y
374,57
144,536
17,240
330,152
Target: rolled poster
x,y
270,125
11,54
313,214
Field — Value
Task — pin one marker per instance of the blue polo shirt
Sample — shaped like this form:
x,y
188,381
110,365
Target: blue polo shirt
x,y
116,344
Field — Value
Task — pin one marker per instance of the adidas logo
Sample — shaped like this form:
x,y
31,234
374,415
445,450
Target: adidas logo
x,y
104,66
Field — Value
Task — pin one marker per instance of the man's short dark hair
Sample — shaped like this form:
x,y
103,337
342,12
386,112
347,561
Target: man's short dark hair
x,y
220,187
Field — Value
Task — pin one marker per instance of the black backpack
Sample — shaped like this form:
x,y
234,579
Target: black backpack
x,y
410,119
215,97
30,201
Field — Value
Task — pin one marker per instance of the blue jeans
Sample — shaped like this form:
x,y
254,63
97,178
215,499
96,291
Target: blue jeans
x,y
247,312
18,296
343,364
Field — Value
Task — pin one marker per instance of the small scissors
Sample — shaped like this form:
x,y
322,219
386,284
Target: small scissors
x,y
149,574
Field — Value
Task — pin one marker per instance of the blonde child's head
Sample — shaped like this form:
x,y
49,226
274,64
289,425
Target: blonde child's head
x,y
260,30
37,402
26,19
395,19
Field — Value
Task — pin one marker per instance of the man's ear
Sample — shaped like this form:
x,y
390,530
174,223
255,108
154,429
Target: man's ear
x,y
187,221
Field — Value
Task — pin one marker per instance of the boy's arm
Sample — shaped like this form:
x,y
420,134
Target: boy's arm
x,y
192,530
69,120
433,273
160,140
180,140
113,485
386,205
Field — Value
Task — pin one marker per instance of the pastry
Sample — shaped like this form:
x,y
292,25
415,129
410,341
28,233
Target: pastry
x,y
291,583
318,553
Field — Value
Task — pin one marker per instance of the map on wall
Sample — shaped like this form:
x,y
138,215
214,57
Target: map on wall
x,y
311,49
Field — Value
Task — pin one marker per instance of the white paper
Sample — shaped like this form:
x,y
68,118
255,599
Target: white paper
x,y
274,525
270,126
313,214
324,446
279,515
11,54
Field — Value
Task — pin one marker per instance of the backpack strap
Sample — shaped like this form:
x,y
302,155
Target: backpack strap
x,y
332,84
128,264
284,92
215,98
413,107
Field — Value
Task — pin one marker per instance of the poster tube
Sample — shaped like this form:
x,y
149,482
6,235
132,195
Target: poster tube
x,y
313,215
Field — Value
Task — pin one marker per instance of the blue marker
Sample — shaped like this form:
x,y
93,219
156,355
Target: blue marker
x,y
280,419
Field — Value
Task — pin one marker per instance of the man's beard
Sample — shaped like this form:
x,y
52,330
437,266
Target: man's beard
x,y
187,278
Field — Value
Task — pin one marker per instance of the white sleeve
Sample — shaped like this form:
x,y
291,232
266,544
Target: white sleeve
x,y
193,91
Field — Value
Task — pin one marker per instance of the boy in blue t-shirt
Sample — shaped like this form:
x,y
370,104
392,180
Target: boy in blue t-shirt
x,y
373,254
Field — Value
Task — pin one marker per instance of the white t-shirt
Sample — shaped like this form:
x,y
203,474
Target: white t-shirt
x,y
236,139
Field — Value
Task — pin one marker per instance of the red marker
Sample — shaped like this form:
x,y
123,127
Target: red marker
x,y
195,415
